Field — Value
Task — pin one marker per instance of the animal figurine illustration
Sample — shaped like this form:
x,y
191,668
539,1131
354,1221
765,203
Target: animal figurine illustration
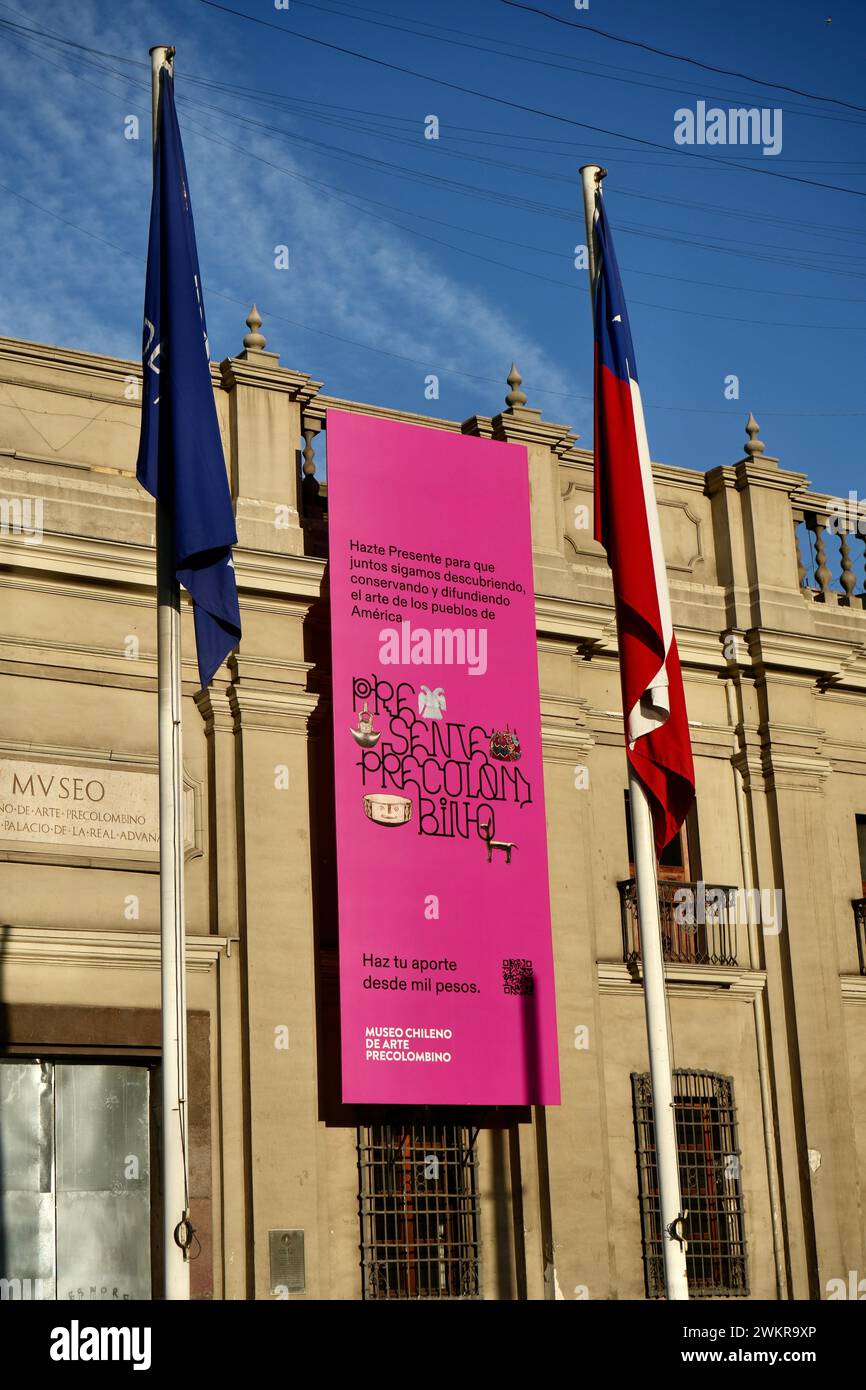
x,y
431,703
365,734
505,845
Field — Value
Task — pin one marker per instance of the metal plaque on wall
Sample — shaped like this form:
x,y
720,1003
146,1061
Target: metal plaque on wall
x,y
286,1249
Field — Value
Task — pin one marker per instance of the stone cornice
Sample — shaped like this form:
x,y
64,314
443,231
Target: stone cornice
x,y
381,412
239,371
272,707
581,622
275,573
679,477
481,426
74,360
121,563
766,474
581,461
700,981
216,709
794,773
700,648
720,478
811,654
564,743
67,359
522,426
565,735
804,499
131,950
78,392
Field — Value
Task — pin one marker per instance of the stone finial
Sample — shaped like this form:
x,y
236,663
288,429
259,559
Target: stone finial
x,y
755,446
254,341
516,398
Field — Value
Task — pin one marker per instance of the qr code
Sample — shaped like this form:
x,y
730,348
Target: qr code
x,y
517,977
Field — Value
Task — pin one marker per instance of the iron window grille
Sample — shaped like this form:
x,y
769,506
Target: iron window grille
x,y
710,1184
419,1211
704,933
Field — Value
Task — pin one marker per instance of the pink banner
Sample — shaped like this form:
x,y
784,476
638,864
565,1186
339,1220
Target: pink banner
x,y
446,967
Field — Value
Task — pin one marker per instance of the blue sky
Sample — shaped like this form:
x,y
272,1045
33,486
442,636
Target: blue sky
x,y
409,256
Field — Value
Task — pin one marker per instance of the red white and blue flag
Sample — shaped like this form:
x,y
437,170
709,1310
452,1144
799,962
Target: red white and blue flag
x,y
627,525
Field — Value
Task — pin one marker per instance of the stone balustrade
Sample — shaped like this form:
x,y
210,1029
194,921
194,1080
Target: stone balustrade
x,y
830,536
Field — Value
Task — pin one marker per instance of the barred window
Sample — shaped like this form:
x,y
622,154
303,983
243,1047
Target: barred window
x,y
419,1211
711,1189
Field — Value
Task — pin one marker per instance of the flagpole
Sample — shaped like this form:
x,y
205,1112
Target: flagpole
x,y
177,1231
649,924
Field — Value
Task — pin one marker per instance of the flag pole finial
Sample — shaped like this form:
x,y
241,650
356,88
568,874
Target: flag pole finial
x,y
254,341
516,397
167,50
598,172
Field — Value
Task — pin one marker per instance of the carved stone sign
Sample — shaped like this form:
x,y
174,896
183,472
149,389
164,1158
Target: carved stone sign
x,y
83,812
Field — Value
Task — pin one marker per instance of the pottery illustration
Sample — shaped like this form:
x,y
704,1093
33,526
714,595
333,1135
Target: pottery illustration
x,y
365,734
431,703
385,809
505,745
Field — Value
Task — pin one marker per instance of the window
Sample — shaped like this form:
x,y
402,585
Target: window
x,y
419,1211
680,860
710,1184
74,1181
861,846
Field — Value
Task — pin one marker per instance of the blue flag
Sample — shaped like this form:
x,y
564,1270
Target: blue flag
x,y
180,455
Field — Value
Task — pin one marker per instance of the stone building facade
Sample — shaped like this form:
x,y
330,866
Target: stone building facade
x,y
294,1194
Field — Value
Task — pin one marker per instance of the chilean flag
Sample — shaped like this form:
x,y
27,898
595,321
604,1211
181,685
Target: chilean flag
x,y
627,525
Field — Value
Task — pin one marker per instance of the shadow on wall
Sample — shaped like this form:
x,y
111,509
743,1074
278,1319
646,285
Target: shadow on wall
x,y
4,1043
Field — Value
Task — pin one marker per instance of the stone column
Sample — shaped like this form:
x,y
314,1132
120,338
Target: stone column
x,y
545,444
266,404
782,658
563,1159
278,961
225,817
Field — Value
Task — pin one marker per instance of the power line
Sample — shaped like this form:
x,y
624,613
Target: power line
x,y
320,186
474,191
546,251
857,328
448,149
679,57
670,308
419,362
67,43
306,106
640,231
384,20
508,241
519,106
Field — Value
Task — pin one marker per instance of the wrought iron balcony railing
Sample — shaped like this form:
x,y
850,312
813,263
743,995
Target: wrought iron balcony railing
x,y
698,921
859,906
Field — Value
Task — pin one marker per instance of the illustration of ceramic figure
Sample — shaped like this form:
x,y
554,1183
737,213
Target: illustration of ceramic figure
x,y
505,745
431,703
365,734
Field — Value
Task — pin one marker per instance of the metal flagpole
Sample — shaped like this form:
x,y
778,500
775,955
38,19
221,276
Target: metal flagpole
x,y
177,1230
649,923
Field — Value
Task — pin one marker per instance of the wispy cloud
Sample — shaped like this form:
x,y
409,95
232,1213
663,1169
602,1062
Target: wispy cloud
x,y
349,275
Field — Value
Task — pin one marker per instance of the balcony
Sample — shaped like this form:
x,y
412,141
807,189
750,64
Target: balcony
x,y
698,921
859,906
